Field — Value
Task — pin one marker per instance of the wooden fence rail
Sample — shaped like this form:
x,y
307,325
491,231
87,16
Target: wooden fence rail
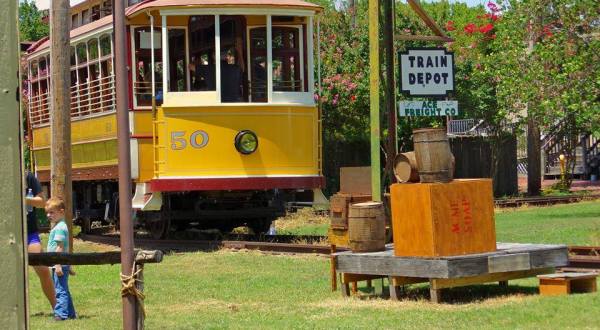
x,y
101,258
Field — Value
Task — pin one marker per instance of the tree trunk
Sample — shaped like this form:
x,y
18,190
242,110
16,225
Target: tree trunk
x,y
534,168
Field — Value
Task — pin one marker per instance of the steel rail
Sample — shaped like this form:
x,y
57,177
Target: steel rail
x,y
211,245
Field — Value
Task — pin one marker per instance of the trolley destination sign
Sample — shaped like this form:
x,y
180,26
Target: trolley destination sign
x,y
427,108
427,72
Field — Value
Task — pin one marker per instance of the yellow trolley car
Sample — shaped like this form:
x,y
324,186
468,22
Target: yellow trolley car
x,y
224,124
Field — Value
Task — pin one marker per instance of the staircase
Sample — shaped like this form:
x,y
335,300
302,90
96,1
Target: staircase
x,y
555,142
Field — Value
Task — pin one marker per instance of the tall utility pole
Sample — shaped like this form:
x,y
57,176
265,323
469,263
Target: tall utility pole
x,y
13,306
126,226
390,87
374,98
60,86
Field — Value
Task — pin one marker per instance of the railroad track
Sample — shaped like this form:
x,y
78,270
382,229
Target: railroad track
x,y
273,244
544,200
583,259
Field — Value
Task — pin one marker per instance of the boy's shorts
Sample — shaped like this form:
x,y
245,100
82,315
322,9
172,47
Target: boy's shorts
x,y
33,238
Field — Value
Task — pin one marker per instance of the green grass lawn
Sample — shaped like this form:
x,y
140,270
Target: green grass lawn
x,y
251,290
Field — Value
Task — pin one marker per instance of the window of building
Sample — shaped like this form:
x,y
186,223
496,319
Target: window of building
x,y
258,64
142,78
95,13
233,76
85,17
107,8
74,21
202,53
286,59
177,60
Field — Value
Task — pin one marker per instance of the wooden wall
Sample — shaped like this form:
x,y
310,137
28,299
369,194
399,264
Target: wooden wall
x,y
473,156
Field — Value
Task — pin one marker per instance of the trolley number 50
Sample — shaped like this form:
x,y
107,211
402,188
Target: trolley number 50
x,y
198,139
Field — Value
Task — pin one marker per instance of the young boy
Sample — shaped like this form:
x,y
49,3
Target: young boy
x,y
58,241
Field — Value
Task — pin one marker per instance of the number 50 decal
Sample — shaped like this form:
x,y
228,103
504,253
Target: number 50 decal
x,y
198,139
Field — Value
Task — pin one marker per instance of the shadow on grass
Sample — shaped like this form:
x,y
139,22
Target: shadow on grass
x,y
51,315
459,295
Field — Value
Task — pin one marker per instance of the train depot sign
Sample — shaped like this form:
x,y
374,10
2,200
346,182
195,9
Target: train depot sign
x,y
427,72
428,108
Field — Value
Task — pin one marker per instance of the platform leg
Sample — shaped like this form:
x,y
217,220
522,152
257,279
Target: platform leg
x,y
436,295
395,292
503,284
383,292
354,287
345,289
370,285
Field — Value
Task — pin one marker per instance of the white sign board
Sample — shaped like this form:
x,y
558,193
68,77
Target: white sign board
x,y
146,42
427,71
427,108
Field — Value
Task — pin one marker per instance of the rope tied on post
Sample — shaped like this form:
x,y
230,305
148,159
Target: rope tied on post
x,y
129,287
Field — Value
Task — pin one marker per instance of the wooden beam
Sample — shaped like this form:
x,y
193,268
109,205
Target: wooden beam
x,y
442,283
102,258
411,37
347,277
416,6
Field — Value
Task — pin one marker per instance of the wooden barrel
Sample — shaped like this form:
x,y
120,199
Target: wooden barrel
x,y
405,167
432,152
366,227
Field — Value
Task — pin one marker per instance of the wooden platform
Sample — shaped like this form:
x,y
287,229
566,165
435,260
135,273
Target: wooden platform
x,y
510,261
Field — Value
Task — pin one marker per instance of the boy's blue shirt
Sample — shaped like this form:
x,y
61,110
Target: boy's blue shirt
x,y
60,233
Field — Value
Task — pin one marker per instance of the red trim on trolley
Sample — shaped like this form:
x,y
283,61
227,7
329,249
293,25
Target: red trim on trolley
x,y
260,183
141,136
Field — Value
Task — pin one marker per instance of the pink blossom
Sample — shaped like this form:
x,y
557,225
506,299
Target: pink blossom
x,y
493,7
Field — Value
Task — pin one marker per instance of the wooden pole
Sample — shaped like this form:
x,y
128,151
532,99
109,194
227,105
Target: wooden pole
x,y
374,98
13,304
126,226
534,148
390,88
333,271
60,86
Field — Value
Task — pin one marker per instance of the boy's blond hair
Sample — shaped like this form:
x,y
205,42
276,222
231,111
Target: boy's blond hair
x,y
55,203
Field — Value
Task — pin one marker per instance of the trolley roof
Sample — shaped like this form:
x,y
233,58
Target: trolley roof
x,y
292,4
82,31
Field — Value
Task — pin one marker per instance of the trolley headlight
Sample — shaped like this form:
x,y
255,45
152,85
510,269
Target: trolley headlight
x,y
246,142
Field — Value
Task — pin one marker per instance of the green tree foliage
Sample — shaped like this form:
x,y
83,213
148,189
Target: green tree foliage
x,y
499,78
344,99
31,26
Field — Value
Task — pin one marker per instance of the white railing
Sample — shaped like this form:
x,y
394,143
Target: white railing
x,y
87,99
460,126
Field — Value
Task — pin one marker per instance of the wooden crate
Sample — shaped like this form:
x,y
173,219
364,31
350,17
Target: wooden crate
x,y
338,237
567,283
443,219
339,205
355,180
